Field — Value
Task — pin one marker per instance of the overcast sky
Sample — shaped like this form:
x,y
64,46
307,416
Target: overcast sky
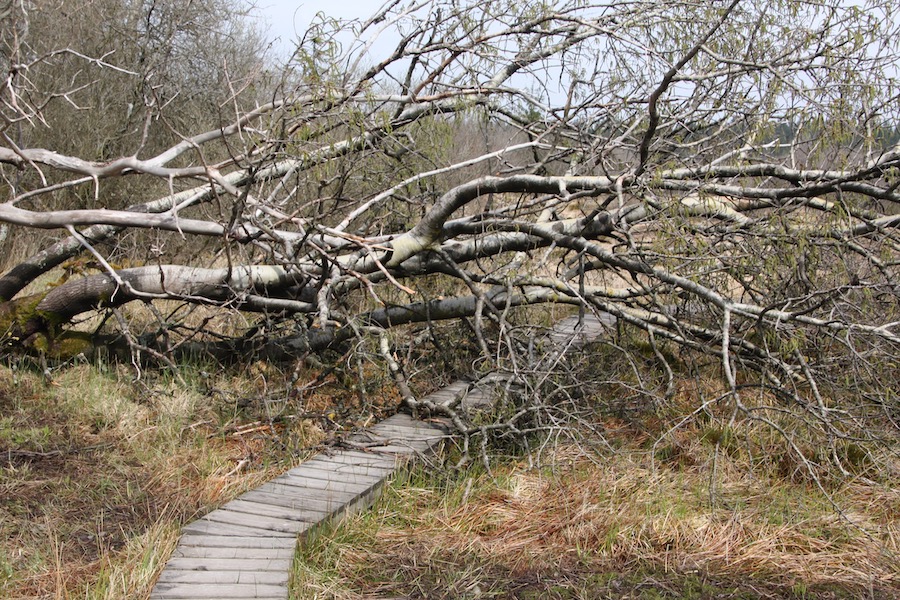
x,y
285,18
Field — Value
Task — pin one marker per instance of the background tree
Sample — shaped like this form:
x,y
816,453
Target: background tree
x,y
720,177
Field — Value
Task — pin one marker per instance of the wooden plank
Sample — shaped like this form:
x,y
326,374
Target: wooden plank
x,y
298,489
345,472
355,457
233,552
351,461
190,540
257,506
284,495
407,448
443,396
590,329
357,462
298,498
225,591
342,472
402,432
388,435
228,517
309,486
384,437
405,421
279,577
337,455
341,466
229,564
314,483
315,498
211,528
454,389
376,441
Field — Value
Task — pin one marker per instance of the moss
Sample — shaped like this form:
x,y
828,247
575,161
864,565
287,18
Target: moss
x,y
17,317
24,327
63,347
71,344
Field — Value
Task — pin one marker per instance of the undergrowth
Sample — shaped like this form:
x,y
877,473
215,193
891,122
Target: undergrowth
x,y
620,526
633,485
630,483
102,463
99,471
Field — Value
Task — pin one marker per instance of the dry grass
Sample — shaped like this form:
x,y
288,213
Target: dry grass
x,y
626,526
719,505
98,472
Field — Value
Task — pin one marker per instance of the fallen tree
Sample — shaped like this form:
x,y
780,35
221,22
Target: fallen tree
x,y
720,177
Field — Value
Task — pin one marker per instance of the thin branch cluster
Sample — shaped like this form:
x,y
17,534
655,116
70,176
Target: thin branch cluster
x,y
722,178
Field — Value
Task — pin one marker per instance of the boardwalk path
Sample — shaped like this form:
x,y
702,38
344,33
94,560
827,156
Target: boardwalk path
x,y
245,548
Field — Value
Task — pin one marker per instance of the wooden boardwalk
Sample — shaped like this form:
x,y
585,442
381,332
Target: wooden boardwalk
x,y
244,550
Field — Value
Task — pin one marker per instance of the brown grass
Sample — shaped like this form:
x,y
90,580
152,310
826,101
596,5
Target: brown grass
x,y
624,526
98,472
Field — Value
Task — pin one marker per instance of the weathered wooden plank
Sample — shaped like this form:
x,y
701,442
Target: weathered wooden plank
x,y
340,502
213,591
337,457
389,435
431,429
181,597
400,432
317,484
289,492
376,441
443,396
570,330
363,476
189,540
270,577
258,506
352,461
361,460
386,438
211,528
320,498
409,450
297,497
454,389
335,489
250,565
354,457
233,552
360,456
405,448
289,498
228,517
364,462
346,471
405,421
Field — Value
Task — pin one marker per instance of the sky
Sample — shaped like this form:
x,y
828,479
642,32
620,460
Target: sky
x,y
285,18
